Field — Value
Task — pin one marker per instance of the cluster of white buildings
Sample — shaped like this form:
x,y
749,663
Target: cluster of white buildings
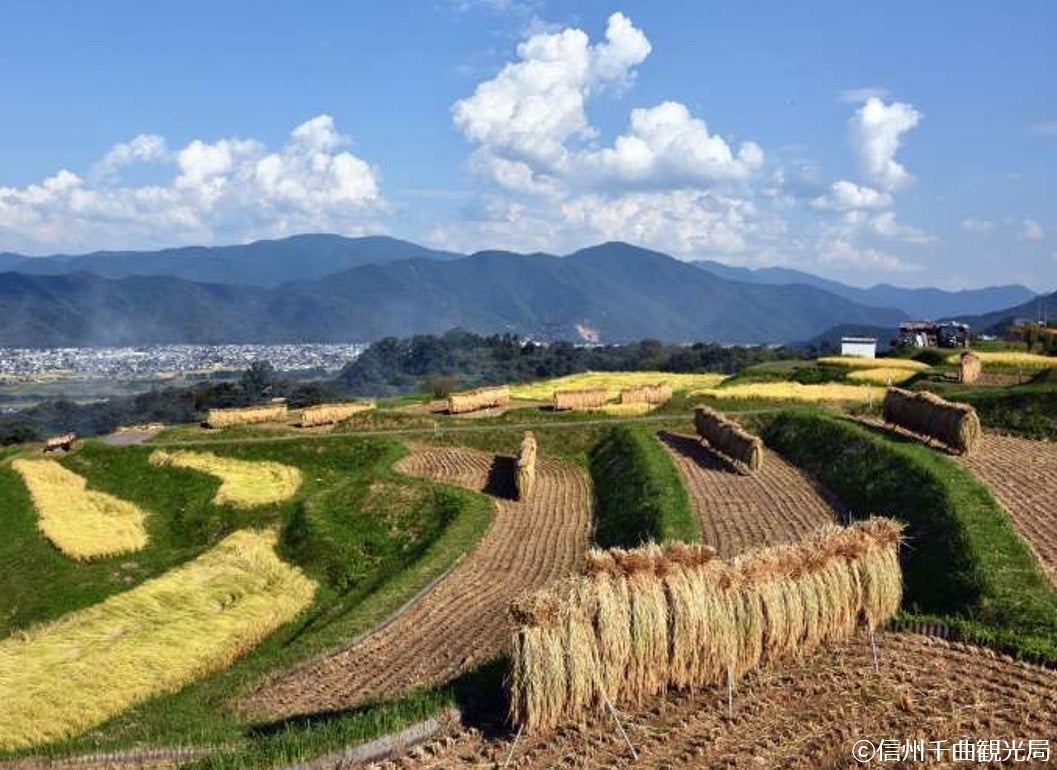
x,y
170,360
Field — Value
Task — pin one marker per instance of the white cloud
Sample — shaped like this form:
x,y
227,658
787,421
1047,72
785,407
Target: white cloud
x,y
145,148
842,253
845,196
535,105
1046,128
860,95
531,129
978,226
228,189
668,147
1032,231
885,225
876,134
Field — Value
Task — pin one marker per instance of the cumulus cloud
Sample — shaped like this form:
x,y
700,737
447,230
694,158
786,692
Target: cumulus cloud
x,y
885,225
876,135
978,226
843,253
145,148
228,189
1032,231
667,146
846,196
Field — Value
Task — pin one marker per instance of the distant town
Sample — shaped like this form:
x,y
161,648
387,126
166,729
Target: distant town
x,y
164,361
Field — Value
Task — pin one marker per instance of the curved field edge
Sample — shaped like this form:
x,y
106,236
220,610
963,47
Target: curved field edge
x,y
964,561
64,677
203,713
639,493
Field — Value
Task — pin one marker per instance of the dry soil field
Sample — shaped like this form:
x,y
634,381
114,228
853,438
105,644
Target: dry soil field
x,y
775,505
1022,474
802,715
463,621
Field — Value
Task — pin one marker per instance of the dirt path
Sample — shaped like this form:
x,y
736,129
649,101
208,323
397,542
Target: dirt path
x,y
777,504
1022,474
807,714
463,621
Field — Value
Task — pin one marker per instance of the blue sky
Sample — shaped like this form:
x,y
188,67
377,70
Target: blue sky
x,y
913,143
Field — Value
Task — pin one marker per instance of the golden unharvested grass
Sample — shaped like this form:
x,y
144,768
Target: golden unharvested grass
x,y
82,523
631,409
883,375
613,382
64,677
795,391
245,483
853,362
645,619
1008,359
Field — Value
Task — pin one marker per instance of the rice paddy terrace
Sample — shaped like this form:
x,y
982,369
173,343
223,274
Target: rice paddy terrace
x,y
389,550
462,622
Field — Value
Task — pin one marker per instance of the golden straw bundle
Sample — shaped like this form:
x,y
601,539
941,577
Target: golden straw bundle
x,y
956,425
726,436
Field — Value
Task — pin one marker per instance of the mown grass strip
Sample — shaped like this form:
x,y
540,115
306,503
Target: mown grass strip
x,y
639,492
963,558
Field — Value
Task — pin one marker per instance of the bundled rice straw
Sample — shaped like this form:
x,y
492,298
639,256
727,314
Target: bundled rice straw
x,y
660,393
225,418
588,398
956,425
329,414
525,478
969,367
728,437
648,618
481,398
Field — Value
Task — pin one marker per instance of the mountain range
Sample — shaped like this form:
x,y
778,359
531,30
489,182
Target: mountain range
x,y
328,288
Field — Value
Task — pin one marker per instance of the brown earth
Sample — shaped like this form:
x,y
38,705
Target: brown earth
x,y
463,621
777,504
806,714
1022,475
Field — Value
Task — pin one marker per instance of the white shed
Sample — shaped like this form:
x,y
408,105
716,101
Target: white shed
x,y
859,347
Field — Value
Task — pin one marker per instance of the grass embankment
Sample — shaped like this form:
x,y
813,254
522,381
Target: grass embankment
x,y
368,536
1026,410
63,677
963,561
639,493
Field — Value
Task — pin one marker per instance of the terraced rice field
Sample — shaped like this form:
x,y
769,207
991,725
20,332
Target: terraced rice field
x,y
1022,474
777,504
463,621
805,715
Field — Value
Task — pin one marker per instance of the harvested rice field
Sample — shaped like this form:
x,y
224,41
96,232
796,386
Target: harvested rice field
x,y
807,714
462,622
737,512
81,522
61,678
244,483
613,382
1022,475
830,392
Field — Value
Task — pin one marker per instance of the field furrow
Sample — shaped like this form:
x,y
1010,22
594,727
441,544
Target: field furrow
x,y
807,714
777,504
463,621
1022,474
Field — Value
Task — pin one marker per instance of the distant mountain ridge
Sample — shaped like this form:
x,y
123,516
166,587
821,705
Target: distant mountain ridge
x,y
261,263
920,304
618,291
